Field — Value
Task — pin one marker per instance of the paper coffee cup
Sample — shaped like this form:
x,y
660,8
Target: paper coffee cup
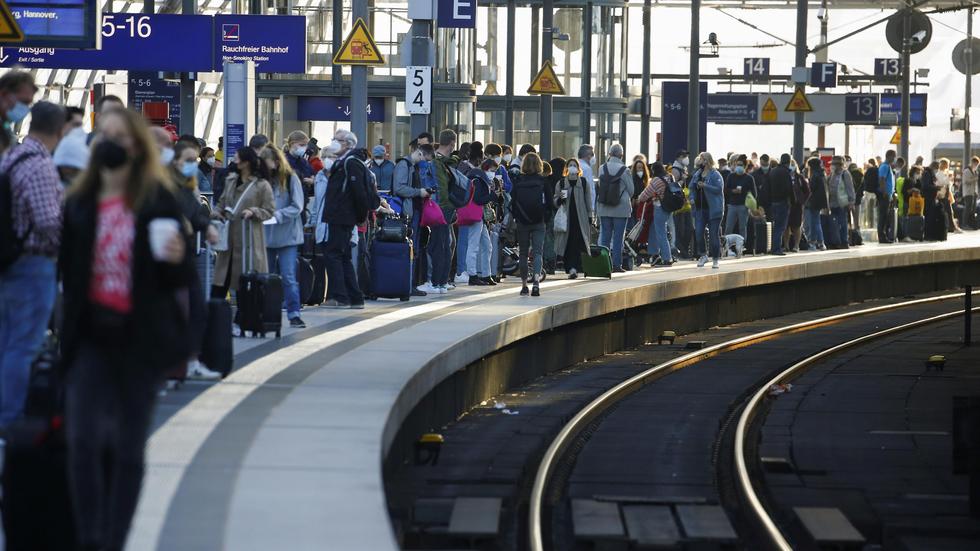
x,y
162,230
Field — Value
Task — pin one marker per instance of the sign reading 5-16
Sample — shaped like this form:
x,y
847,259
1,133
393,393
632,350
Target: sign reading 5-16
x,y
418,90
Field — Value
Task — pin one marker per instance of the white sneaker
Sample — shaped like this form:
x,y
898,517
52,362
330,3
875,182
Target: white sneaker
x,y
702,261
463,278
236,331
714,264
441,290
197,370
428,288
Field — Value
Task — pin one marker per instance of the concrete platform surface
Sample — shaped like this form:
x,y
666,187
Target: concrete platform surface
x,y
286,453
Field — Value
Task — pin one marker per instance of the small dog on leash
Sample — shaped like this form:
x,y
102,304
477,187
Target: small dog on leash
x,y
734,244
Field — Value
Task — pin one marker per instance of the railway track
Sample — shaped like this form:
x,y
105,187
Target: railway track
x,y
733,452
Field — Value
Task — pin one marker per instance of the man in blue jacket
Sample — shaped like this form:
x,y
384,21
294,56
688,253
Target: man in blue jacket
x,y
383,169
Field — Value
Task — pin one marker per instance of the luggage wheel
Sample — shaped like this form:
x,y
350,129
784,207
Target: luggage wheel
x,y
404,299
278,334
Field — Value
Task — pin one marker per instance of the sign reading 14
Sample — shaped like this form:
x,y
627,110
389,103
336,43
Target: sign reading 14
x,y
137,25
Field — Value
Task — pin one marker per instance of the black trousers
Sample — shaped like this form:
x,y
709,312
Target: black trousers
x,y
886,231
341,277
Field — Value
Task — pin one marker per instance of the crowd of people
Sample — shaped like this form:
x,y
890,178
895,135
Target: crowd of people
x,y
101,229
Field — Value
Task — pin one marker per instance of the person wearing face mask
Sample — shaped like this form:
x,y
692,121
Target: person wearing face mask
x,y
296,145
29,246
681,224
573,199
857,176
841,192
408,186
708,188
383,169
654,193
283,239
496,152
479,250
205,170
970,193
17,91
71,155
780,195
761,178
586,163
738,186
124,263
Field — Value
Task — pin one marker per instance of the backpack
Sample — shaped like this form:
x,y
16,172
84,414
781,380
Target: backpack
x,y
11,244
459,188
610,187
427,176
481,192
528,201
673,199
871,181
360,194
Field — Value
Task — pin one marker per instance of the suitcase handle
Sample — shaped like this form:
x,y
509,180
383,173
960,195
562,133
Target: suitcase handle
x,y
247,264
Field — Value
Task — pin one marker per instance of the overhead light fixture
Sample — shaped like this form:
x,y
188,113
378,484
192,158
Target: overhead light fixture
x,y
922,73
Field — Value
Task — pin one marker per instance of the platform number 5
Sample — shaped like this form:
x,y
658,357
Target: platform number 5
x,y
418,90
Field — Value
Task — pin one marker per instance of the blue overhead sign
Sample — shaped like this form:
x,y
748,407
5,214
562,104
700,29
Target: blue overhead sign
x,y
277,44
57,23
148,87
756,68
823,75
733,108
133,42
459,14
891,105
674,117
332,108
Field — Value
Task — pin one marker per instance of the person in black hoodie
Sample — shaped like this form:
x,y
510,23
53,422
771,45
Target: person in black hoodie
x,y
528,207
761,177
817,205
350,197
739,184
780,194
124,264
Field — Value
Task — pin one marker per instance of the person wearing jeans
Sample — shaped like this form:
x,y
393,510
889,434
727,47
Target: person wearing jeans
x,y
614,212
780,218
27,286
708,188
661,218
283,239
841,193
530,240
739,185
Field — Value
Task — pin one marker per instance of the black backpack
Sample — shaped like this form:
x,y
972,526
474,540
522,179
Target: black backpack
x,y
673,199
11,244
528,201
610,187
871,181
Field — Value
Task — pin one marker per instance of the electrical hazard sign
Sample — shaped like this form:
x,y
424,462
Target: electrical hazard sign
x,y
896,137
9,29
359,48
546,82
769,111
798,103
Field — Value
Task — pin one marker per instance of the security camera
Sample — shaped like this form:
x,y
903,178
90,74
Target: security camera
x,y
919,37
821,14
713,39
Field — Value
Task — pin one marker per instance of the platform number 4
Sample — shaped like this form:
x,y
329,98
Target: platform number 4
x,y
418,90
756,67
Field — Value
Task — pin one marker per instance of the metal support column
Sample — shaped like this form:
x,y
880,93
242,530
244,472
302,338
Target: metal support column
x,y
645,85
968,100
149,6
358,85
587,73
906,87
421,36
694,83
547,22
968,316
337,11
822,56
509,101
801,15
187,104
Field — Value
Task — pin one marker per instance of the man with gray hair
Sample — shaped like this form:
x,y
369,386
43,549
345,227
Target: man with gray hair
x,y
586,160
29,244
615,189
350,196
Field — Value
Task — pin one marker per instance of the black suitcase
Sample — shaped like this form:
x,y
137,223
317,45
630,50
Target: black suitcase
x,y
304,277
259,296
308,248
391,269
216,348
758,236
917,228
363,267
318,290
854,238
831,234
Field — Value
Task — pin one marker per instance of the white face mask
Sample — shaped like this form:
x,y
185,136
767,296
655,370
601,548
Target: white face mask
x,y
572,172
490,175
327,163
685,161
378,161
508,157
592,162
209,161
167,155
299,151
336,146
639,173
497,159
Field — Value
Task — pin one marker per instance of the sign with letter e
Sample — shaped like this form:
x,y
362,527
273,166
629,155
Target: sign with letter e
x,y
418,90
458,14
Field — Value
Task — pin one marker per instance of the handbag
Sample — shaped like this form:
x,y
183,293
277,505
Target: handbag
x,y
561,218
223,226
392,230
470,214
432,214
634,232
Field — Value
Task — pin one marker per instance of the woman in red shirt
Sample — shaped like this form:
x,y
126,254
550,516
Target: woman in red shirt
x,y
124,266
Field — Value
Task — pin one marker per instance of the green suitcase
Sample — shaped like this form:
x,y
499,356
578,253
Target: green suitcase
x,y
597,262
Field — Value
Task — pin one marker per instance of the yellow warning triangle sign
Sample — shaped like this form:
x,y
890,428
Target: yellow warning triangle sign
x,y
769,111
896,137
359,48
9,29
546,82
798,103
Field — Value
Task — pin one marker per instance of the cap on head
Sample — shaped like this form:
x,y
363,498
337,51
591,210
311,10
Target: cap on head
x,y
378,151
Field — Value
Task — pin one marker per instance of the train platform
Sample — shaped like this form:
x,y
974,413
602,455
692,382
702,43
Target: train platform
x,y
289,450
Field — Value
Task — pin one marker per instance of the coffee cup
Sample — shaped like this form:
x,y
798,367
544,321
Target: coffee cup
x,y
162,230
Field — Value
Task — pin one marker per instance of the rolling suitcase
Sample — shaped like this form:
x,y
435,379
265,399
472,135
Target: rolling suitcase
x,y
917,227
216,347
304,277
597,262
391,269
831,234
318,290
259,295
759,236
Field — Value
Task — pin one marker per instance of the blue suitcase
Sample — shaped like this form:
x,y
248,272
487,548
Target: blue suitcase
x,y
391,269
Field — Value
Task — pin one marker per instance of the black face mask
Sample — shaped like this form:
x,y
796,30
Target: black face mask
x,y
110,153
